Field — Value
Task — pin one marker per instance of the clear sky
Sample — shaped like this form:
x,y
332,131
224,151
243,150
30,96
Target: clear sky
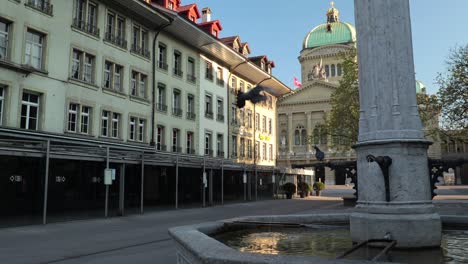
x,y
277,29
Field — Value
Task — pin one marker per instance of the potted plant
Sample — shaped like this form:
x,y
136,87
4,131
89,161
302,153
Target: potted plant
x,y
303,189
310,189
289,189
318,187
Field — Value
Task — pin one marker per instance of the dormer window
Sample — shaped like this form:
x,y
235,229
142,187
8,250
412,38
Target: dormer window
x,y
170,5
192,18
262,65
269,69
214,33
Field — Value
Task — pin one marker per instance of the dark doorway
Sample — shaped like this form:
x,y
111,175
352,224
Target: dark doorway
x,y
21,190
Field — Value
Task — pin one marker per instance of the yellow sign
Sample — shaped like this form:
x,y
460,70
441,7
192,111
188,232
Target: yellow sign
x,y
264,137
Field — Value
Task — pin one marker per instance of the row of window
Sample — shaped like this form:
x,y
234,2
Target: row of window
x,y
245,149
33,48
177,71
83,69
79,118
86,19
83,65
242,119
177,110
319,137
176,142
333,70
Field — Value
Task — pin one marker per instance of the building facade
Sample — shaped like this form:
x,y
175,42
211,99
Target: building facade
x,y
302,113
98,90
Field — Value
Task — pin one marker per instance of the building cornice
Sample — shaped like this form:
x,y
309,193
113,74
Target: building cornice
x,y
309,86
324,52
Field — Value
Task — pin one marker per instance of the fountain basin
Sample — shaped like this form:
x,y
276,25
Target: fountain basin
x,y
195,243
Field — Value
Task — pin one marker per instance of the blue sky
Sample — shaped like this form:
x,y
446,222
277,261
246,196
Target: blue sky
x,y
278,28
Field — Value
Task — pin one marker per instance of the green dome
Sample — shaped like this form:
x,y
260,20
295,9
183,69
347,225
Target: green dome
x,y
420,87
341,33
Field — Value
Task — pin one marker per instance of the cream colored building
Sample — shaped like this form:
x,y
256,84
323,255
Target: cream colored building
x,y
81,74
103,107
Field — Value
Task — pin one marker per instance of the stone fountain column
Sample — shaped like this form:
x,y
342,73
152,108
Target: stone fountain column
x,y
390,131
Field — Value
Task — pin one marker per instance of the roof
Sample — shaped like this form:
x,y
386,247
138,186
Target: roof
x,y
341,33
208,44
257,58
229,40
209,23
189,9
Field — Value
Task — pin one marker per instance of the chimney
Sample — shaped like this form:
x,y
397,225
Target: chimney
x,y
206,14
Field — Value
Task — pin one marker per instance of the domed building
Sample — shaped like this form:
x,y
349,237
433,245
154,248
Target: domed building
x,y
301,113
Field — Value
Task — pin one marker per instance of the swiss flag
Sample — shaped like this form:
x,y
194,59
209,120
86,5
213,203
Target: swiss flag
x,y
297,83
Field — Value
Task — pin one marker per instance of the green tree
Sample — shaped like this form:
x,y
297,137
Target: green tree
x,y
453,94
342,122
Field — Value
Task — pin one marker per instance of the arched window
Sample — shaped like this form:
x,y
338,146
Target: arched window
x,y
316,136
300,136
304,137
327,70
339,70
333,70
297,137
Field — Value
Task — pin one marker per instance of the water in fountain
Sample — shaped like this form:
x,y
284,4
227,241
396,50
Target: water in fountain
x,y
331,242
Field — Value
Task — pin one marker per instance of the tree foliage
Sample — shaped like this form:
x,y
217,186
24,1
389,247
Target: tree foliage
x,y
343,121
453,93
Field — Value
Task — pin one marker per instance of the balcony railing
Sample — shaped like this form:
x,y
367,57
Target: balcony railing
x,y
177,112
191,115
190,151
220,153
176,149
161,108
209,114
220,82
234,122
209,76
140,51
234,155
191,78
43,6
209,152
162,65
116,40
220,118
161,147
85,27
178,72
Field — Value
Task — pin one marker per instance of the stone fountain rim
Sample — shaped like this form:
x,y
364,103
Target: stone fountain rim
x,y
194,244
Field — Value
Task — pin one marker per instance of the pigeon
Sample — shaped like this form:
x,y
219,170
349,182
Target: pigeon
x,y
254,95
319,155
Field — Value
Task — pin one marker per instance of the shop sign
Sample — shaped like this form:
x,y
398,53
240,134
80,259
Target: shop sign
x,y
16,178
264,137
